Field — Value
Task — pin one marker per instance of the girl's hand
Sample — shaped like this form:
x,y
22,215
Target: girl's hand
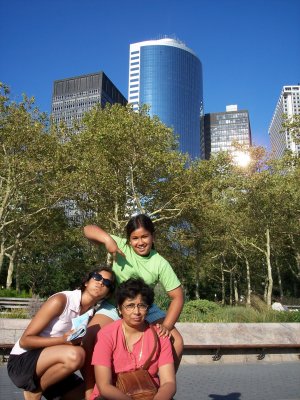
x,y
113,249
163,331
75,342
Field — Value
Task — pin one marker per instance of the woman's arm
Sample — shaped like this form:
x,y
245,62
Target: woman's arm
x,y
98,235
52,308
103,377
167,387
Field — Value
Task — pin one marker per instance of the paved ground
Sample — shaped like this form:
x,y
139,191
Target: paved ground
x,y
266,381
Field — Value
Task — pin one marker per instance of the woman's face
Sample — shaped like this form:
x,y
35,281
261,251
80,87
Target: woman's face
x,y
134,311
100,283
141,241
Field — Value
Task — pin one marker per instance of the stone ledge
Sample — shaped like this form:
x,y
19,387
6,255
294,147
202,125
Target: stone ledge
x,y
211,342
197,334
240,334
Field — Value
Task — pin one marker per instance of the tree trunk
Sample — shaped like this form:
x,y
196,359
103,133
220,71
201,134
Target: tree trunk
x,y
17,278
10,271
248,280
197,291
269,269
12,257
279,281
236,293
223,284
265,289
2,252
230,288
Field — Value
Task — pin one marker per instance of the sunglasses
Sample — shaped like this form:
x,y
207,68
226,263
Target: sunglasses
x,y
98,277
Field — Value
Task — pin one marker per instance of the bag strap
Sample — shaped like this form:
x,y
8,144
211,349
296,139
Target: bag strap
x,y
148,361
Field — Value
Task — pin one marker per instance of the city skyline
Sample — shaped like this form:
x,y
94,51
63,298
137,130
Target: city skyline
x,y
248,50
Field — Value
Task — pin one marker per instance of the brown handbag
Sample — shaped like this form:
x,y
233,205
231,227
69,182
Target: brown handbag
x,y
138,384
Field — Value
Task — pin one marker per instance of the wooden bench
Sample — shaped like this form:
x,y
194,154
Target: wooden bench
x,y
10,303
293,307
261,338
261,348
31,304
5,349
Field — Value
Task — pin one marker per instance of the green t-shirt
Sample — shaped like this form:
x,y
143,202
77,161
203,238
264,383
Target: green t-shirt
x,y
152,268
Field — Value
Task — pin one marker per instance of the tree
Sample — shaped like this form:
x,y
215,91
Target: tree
x,y
30,174
292,124
125,162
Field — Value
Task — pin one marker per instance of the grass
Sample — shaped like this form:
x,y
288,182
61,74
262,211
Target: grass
x,y
16,313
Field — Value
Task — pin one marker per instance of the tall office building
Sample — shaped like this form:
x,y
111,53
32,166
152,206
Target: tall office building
x,y
167,76
72,97
289,105
223,129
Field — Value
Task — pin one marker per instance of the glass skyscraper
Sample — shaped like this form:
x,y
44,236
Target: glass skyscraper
x,y
167,76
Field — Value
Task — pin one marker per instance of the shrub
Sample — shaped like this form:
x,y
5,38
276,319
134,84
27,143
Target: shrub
x,y
196,310
14,293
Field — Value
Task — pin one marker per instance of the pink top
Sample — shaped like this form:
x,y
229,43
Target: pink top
x,y
110,351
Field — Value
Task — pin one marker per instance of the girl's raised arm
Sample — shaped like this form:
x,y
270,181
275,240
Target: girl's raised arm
x,y
97,235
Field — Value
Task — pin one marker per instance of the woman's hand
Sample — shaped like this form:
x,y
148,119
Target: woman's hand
x,y
74,342
163,331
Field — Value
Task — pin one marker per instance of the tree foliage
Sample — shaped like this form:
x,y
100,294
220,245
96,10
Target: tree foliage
x,y
228,231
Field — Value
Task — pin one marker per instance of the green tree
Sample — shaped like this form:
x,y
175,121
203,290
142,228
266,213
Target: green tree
x,y
124,162
30,174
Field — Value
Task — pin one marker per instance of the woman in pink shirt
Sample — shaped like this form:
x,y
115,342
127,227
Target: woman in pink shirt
x,y
125,345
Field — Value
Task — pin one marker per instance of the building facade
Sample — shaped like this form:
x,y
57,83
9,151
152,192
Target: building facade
x,y
223,129
288,104
72,97
167,76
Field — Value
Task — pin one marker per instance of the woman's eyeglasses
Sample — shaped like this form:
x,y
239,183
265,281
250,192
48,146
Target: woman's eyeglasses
x,y
131,306
98,277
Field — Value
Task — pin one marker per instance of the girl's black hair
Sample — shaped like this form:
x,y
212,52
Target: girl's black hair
x,y
101,267
139,221
132,288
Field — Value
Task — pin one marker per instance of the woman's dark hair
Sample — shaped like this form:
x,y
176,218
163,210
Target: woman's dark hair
x,y
139,221
132,288
101,267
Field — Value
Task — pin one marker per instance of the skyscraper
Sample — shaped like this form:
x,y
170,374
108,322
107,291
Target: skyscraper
x,y
166,75
72,97
222,129
289,105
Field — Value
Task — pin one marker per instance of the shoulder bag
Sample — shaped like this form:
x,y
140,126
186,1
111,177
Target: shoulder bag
x,y
138,384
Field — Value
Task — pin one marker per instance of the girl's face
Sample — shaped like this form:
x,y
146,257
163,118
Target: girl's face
x,y
141,241
134,311
99,284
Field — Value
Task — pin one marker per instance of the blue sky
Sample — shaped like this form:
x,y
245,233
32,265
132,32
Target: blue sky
x,y
249,49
